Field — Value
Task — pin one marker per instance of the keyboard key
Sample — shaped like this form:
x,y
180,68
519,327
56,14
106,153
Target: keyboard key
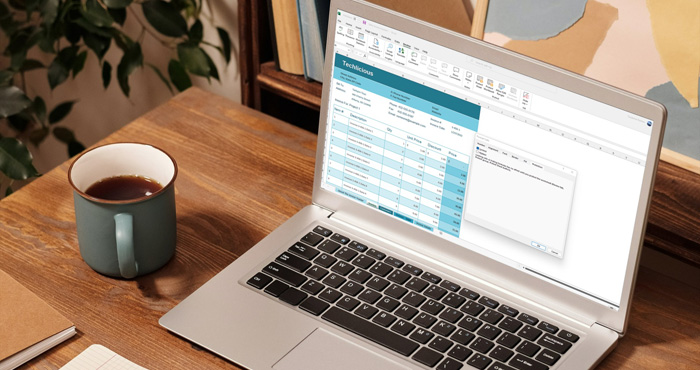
x,y
276,288
340,238
450,285
412,270
314,306
501,353
358,246
548,327
316,272
460,352
381,269
521,362
440,344
348,303
508,340
500,366
482,345
346,254
312,239
449,364
488,302
384,319
360,276
489,331
528,319
259,280
530,333
424,320
571,337
555,344
312,287
427,357
510,311
469,294
377,283
304,251
470,323
414,299
396,291
491,316
334,280
376,254
325,260
288,276
403,327
444,328
330,295
388,304
527,348
406,312
435,292
417,284
399,277
394,262
472,308
432,278
370,331
342,268
451,315
462,336
510,324
421,336
329,246
295,263
363,261
322,231
547,357
366,311
432,307
352,288
293,296
370,296
479,361
454,300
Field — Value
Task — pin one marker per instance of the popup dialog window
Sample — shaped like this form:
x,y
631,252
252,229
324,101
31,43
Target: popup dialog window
x,y
519,195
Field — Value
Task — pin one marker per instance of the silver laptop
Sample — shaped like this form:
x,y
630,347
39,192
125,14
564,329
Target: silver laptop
x,y
472,208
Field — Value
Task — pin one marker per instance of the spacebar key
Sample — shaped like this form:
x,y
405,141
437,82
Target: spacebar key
x,y
370,331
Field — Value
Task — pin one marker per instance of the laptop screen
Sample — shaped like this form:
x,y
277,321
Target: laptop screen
x,y
534,176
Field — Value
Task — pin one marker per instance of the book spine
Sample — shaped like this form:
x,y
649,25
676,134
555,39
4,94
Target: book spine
x,y
286,23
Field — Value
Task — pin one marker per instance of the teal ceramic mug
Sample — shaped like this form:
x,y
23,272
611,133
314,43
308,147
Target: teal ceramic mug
x,y
132,237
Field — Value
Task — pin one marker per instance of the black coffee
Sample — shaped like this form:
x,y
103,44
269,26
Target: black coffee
x,y
123,187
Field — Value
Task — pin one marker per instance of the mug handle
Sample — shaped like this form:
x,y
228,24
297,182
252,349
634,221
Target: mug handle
x,y
124,224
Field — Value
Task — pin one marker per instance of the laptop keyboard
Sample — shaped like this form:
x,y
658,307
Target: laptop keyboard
x,y
404,308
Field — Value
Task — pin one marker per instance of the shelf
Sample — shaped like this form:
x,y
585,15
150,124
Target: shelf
x,y
292,87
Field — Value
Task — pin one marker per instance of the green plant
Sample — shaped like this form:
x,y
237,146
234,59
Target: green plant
x,y
66,30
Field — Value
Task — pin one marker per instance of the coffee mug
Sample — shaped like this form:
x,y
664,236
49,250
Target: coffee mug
x,y
126,237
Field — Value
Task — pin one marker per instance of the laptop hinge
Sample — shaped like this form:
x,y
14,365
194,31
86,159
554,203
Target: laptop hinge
x,y
325,209
620,333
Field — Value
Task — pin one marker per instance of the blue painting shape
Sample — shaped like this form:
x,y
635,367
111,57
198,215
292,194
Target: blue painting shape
x,y
682,133
532,19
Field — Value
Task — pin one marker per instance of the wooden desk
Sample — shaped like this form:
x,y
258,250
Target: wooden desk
x,y
241,174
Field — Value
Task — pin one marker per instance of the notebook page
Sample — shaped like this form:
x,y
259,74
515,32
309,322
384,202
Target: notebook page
x,y
97,357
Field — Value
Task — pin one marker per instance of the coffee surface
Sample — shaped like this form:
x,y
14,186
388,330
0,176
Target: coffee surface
x,y
123,187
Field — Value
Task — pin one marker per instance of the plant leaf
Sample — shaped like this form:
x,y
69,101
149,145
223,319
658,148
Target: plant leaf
x,y
8,191
57,73
49,11
106,74
15,160
213,71
196,32
225,43
31,64
89,27
17,59
37,136
60,112
117,4
96,14
12,101
79,63
178,75
165,18
162,77
63,134
74,148
39,108
6,77
131,59
119,15
19,121
97,43
193,59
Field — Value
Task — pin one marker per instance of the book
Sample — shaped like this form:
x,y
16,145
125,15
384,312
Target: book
x,y
100,357
28,325
288,38
273,38
313,26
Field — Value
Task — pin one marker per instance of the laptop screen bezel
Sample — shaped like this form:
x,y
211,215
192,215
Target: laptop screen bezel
x,y
549,295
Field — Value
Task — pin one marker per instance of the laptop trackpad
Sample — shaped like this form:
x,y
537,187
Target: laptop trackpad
x,y
325,350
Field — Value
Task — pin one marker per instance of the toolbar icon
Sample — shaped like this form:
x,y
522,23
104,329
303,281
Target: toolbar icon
x,y
480,79
489,82
501,86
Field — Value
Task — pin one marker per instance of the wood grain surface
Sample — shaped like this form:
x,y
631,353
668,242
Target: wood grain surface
x,y
241,174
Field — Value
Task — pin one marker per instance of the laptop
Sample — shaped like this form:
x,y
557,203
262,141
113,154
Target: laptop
x,y
472,208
